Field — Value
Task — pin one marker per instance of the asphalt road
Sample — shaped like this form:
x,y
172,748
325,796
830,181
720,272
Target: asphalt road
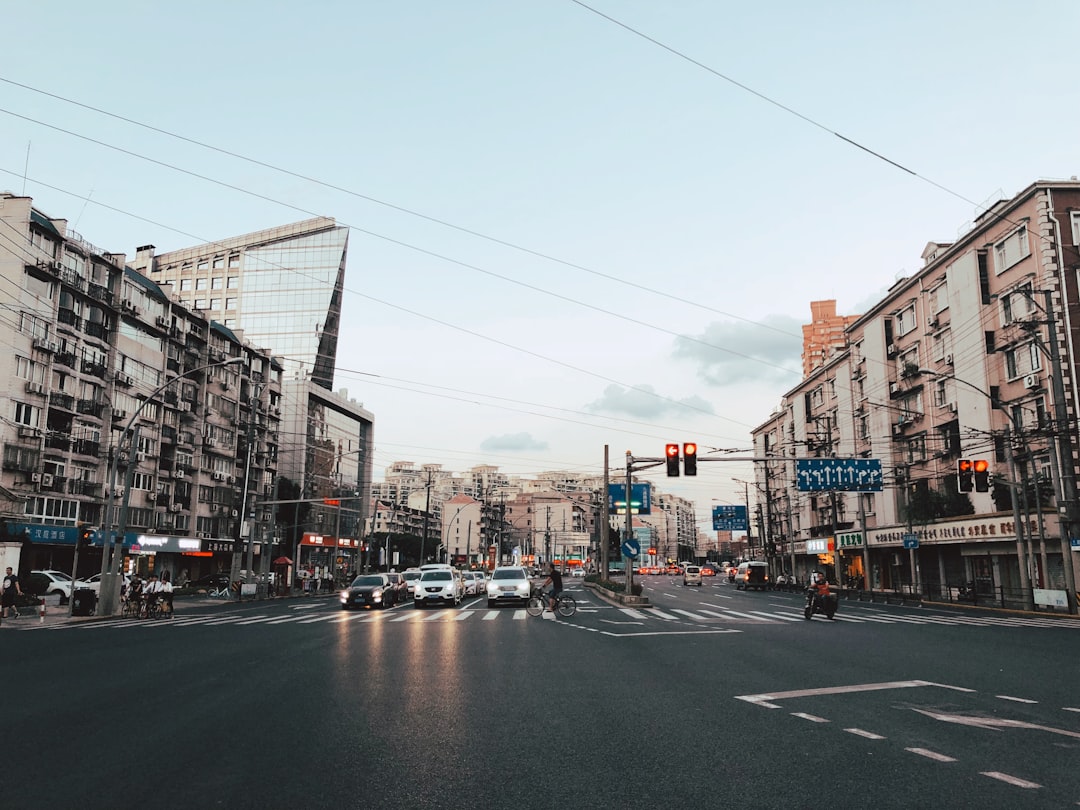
x,y
712,698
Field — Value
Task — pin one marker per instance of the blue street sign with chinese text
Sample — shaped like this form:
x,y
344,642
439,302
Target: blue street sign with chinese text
x,y
729,518
842,474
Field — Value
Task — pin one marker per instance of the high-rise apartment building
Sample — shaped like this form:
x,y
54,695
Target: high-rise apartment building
x,y
824,336
282,287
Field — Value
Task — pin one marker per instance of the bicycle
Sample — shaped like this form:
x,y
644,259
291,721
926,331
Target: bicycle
x,y
539,602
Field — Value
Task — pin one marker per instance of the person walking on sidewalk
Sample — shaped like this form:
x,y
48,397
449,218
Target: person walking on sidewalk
x,y
9,589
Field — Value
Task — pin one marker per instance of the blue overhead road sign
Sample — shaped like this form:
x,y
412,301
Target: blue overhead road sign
x,y
844,474
729,518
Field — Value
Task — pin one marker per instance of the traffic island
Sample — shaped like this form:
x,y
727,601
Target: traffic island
x,y
616,597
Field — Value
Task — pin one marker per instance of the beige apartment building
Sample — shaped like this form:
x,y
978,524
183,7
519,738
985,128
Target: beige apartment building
x,y
972,357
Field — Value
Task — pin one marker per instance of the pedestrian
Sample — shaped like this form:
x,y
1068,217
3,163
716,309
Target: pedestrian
x,y
9,589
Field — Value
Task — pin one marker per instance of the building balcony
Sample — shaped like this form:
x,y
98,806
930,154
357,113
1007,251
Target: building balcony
x,y
90,407
92,368
63,401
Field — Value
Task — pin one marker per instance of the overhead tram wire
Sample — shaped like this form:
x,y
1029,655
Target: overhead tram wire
x,y
400,208
477,234
438,320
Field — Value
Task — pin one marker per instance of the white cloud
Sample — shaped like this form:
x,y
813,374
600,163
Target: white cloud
x,y
643,401
735,351
511,442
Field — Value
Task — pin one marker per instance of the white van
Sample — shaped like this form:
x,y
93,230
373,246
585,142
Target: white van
x,y
691,575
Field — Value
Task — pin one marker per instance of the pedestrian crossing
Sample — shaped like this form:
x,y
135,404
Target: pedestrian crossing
x,y
705,615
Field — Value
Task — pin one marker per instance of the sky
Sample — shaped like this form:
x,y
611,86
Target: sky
x,y
574,225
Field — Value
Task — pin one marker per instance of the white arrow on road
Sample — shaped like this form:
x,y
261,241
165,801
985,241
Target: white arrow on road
x,y
994,723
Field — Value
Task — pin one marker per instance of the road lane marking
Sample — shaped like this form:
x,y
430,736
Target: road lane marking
x,y
663,615
923,752
694,616
1069,709
780,616
994,723
633,614
813,718
745,615
862,733
1012,780
490,615
669,633
765,699
1015,699
520,614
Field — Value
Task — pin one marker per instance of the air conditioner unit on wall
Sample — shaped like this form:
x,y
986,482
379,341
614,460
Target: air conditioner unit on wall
x,y
1031,381
178,473
35,478
151,496
951,406
46,480
174,507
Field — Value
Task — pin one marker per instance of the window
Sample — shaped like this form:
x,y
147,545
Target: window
x,y
185,285
1011,249
27,414
215,303
1017,304
219,262
1074,216
905,321
200,303
201,283
202,265
234,261
939,298
916,450
233,282
1022,360
230,303
941,393
217,283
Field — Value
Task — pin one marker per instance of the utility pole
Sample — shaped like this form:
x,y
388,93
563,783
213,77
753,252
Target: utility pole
x,y
1066,462
427,516
606,528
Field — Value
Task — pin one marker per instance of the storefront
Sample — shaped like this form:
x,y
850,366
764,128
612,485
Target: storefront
x,y
327,557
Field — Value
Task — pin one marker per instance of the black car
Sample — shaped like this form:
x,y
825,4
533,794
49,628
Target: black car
x,y
210,581
369,590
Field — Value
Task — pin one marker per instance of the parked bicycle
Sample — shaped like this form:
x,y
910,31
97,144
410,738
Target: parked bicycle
x,y
539,602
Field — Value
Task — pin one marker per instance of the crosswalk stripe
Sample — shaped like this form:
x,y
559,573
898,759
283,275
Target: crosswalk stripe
x,y
746,615
661,614
633,614
777,616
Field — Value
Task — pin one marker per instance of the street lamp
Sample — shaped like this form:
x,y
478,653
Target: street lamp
x,y
110,558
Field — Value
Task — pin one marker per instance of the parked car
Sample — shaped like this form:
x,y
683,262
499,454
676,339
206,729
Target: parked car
x,y
94,582
508,583
49,582
210,582
438,585
369,591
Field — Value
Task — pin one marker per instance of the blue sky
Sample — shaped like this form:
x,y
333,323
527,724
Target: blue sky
x,y
656,231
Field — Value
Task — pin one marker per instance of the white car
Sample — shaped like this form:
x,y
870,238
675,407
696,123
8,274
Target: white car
x,y
94,582
578,572
49,582
438,585
472,583
508,583
411,575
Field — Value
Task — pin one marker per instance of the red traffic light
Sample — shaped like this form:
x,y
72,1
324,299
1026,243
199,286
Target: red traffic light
x,y
689,453
672,453
964,475
981,468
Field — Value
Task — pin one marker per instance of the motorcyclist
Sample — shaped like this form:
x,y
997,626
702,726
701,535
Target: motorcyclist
x,y
819,585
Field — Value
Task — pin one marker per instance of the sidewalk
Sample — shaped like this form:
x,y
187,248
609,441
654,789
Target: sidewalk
x,y
58,615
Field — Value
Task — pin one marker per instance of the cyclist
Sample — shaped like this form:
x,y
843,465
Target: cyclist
x,y
153,593
555,578
166,593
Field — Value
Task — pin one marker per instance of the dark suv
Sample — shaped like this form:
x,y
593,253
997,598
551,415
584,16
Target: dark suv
x,y
752,575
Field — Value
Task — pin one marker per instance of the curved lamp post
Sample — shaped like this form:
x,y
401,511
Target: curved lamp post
x,y
110,556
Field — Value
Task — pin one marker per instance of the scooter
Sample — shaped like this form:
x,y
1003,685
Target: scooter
x,y
815,603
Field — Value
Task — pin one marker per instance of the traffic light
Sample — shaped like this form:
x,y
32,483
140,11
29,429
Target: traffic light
x,y
964,475
981,468
689,458
672,453
84,539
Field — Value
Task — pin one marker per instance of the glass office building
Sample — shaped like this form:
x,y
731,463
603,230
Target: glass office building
x,y
281,287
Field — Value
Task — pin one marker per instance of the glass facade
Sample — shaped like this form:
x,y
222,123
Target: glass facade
x,y
285,289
